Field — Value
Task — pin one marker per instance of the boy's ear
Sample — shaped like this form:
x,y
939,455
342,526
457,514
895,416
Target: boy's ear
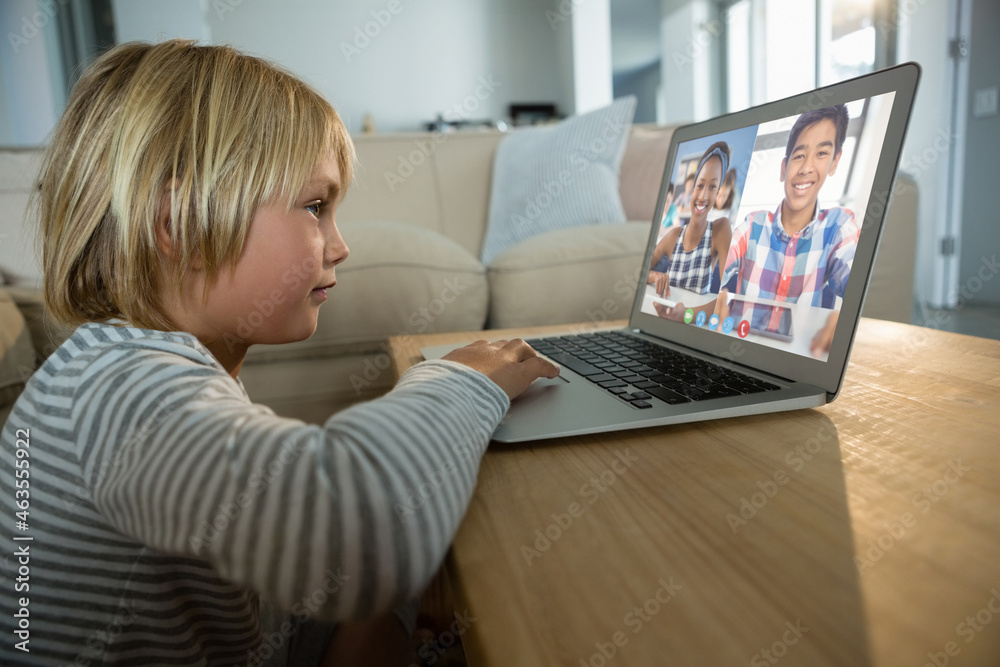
x,y
833,165
164,238
164,230
784,165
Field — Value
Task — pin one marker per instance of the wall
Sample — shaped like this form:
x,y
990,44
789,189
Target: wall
x,y
635,54
592,75
6,127
644,83
980,244
402,61
923,38
27,29
155,20
689,68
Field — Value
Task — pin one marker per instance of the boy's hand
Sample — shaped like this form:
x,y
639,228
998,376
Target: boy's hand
x,y
676,313
722,304
824,337
512,364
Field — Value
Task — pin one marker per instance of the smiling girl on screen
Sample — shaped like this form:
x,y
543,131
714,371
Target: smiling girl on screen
x,y
687,255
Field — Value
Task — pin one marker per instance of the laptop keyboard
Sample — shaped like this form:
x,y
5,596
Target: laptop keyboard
x,y
637,371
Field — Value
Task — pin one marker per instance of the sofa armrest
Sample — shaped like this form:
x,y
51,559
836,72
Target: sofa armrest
x,y
17,354
46,333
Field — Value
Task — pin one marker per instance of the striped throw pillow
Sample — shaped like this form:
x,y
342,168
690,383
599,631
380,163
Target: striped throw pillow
x,y
558,176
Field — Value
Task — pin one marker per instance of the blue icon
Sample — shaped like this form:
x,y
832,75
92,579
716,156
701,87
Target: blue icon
x,y
727,325
713,322
701,319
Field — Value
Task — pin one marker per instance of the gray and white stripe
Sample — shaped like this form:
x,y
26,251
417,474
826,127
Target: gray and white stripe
x,y
165,506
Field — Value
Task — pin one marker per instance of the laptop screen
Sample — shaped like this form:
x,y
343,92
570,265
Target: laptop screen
x,y
757,234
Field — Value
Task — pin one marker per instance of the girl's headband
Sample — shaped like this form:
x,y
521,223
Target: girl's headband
x,y
715,152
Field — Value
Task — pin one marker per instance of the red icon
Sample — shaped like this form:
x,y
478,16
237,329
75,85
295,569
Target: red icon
x,y
743,328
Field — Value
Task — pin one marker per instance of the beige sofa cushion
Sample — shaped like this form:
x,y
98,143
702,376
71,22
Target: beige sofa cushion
x,y
17,355
439,181
587,274
399,279
890,292
642,170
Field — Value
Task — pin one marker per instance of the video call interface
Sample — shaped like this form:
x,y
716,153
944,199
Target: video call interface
x,y
759,227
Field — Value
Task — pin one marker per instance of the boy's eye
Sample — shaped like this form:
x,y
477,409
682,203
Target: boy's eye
x,y
315,208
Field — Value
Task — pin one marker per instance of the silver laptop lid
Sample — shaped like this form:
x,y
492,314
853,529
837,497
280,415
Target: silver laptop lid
x,y
812,179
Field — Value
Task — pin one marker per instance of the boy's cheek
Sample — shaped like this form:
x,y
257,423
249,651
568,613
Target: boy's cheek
x,y
291,279
821,181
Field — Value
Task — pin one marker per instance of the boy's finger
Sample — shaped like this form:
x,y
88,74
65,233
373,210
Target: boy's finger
x,y
540,367
721,305
520,349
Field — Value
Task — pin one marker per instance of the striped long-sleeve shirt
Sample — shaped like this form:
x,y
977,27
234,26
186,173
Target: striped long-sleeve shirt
x,y
164,507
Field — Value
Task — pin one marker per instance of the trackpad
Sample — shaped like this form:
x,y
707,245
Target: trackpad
x,y
542,387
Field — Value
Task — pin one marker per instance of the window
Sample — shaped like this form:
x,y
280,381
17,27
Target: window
x,y
777,48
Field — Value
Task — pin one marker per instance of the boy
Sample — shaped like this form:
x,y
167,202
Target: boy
x,y
172,520
798,252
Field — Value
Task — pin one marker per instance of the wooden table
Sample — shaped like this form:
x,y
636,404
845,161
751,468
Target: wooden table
x,y
866,532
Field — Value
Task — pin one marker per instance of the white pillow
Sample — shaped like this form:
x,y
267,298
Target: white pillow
x,y
558,176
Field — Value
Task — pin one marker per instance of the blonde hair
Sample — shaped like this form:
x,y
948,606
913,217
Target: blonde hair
x,y
211,131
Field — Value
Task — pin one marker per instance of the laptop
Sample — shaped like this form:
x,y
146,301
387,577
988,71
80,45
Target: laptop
x,y
769,327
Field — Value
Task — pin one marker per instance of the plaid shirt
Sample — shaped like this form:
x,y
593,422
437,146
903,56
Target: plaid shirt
x,y
813,265
692,270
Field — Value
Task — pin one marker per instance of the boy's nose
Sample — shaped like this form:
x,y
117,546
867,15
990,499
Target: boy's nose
x,y
336,248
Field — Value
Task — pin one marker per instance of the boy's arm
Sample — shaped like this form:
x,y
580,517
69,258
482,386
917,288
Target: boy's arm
x,y
342,521
838,268
730,274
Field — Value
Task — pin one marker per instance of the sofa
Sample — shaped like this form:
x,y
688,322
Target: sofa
x,y
415,219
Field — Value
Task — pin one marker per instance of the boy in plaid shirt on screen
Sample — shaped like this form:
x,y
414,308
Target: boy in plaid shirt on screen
x,y
798,252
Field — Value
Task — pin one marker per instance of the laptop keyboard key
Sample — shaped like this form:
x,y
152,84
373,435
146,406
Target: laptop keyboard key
x,y
693,393
742,387
667,396
574,364
719,392
614,360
